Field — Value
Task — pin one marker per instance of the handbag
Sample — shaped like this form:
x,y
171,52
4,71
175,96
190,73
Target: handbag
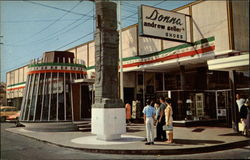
x,y
167,128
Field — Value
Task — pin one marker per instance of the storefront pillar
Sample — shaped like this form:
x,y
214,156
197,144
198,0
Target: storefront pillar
x,y
181,94
234,110
182,77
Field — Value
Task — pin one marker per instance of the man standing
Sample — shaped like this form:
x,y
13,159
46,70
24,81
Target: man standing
x,y
240,101
161,120
149,114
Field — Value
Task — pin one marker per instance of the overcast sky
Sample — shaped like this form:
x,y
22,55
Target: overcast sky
x,y
29,28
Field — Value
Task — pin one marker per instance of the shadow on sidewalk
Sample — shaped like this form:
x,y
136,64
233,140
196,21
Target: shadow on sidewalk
x,y
133,130
231,134
178,142
198,130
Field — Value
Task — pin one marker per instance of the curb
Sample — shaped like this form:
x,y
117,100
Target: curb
x,y
180,151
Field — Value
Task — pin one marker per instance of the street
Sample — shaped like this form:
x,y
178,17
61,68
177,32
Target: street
x,y
15,146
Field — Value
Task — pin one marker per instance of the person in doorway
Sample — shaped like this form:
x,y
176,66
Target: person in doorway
x,y
240,101
149,114
243,117
128,112
161,120
157,116
169,120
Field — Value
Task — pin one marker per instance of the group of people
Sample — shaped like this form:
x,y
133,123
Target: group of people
x,y
159,113
244,110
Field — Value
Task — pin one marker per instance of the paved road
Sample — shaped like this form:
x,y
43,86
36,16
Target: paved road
x,y
15,146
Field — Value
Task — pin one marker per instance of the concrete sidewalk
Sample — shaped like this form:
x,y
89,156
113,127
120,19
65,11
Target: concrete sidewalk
x,y
187,140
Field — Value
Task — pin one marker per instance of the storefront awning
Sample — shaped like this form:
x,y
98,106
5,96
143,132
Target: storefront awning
x,y
237,62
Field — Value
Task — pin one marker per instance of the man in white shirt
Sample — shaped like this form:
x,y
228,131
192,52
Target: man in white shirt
x,y
240,101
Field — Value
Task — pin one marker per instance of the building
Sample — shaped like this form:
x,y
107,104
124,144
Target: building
x,y
50,93
196,75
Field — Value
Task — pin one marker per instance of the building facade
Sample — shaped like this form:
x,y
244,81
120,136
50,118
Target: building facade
x,y
195,75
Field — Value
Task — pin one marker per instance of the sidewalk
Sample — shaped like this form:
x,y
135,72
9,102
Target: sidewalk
x,y
187,140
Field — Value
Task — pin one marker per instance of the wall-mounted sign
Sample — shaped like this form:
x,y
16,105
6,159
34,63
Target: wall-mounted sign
x,y
159,23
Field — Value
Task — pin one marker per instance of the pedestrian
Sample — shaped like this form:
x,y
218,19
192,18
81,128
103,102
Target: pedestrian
x,y
243,117
149,114
161,120
247,103
240,101
128,112
157,116
169,120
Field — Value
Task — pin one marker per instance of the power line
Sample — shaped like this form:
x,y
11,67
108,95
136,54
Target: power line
x,y
45,28
137,13
53,35
36,20
48,6
75,40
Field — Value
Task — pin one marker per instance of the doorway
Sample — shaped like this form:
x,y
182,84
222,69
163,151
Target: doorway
x,y
128,95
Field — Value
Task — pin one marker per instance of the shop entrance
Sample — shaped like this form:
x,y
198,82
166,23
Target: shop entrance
x,y
128,95
81,101
223,106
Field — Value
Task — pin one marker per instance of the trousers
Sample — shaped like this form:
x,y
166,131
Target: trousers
x,y
149,129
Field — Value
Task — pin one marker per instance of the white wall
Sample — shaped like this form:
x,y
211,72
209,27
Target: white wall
x,y
210,19
92,54
129,42
82,53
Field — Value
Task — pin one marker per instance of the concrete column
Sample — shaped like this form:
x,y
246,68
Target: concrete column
x,y
181,96
182,77
234,109
108,112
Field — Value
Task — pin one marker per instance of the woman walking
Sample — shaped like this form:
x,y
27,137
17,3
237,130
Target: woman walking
x,y
169,120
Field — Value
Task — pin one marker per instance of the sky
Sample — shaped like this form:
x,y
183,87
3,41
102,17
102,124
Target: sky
x,y
30,28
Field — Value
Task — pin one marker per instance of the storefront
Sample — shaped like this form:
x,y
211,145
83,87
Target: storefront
x,y
191,73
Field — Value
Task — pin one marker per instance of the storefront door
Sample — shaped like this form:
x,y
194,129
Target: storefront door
x,y
223,106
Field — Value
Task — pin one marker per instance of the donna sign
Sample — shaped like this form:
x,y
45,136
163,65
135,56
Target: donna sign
x,y
159,23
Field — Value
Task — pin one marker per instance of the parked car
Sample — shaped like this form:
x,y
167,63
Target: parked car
x,y
13,117
6,111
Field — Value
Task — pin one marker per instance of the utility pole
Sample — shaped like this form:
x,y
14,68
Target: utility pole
x,y
1,43
120,50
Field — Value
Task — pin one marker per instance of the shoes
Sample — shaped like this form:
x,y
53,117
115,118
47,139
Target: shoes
x,y
148,143
164,140
152,143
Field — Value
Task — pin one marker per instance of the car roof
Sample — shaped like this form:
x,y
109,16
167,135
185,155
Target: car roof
x,y
7,107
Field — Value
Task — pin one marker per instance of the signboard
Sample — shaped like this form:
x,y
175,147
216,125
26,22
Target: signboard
x,y
221,112
159,23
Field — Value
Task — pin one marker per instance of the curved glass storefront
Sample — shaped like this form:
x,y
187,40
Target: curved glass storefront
x,y
48,93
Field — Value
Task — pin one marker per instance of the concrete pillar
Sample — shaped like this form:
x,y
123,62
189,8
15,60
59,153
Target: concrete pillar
x,y
181,96
234,109
108,112
182,77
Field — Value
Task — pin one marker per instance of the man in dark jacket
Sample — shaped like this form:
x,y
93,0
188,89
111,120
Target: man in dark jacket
x,y
161,121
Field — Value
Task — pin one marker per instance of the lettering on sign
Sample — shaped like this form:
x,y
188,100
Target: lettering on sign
x,y
154,22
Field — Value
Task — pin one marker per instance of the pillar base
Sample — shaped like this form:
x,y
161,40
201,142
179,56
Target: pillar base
x,y
108,123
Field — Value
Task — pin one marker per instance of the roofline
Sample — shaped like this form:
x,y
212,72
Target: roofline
x,y
188,5
18,68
